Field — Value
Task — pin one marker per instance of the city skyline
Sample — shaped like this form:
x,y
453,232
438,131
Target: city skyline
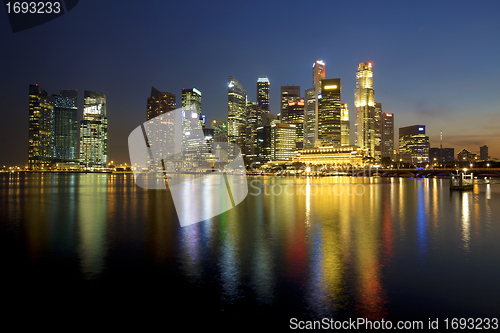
x,y
419,67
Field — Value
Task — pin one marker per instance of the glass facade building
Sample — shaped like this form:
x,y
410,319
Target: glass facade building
x,y
263,93
413,142
364,103
283,141
288,94
66,126
159,103
236,112
94,131
41,129
295,115
345,125
329,112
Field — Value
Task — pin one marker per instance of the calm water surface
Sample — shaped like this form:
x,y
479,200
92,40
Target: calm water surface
x,y
89,246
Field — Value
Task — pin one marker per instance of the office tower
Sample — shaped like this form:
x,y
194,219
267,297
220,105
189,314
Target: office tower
x,y
263,93
254,120
388,135
157,104
66,126
191,104
94,131
263,144
345,129
288,94
236,113
41,129
413,142
282,141
377,134
310,117
160,103
319,73
483,153
192,97
364,103
329,110
295,115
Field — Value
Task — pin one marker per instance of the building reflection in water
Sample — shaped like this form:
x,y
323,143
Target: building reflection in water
x,y
335,246
92,224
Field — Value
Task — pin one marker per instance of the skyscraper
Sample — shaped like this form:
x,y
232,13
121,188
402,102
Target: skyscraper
x,y
377,131
319,73
41,128
94,131
329,112
364,103
160,103
288,94
345,126
254,120
295,115
236,112
66,126
388,135
191,104
310,117
412,141
283,138
192,97
263,93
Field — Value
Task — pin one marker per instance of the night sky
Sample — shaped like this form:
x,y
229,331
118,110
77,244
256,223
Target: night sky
x,y
435,63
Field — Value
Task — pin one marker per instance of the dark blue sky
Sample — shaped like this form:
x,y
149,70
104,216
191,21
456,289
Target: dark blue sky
x,y
435,63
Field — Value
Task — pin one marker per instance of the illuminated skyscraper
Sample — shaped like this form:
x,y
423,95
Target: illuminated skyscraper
x,y
364,102
191,104
329,112
288,94
388,135
236,112
160,103
295,115
263,93
413,142
319,73
310,117
66,126
283,138
41,129
254,120
345,130
94,131
377,124
192,97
